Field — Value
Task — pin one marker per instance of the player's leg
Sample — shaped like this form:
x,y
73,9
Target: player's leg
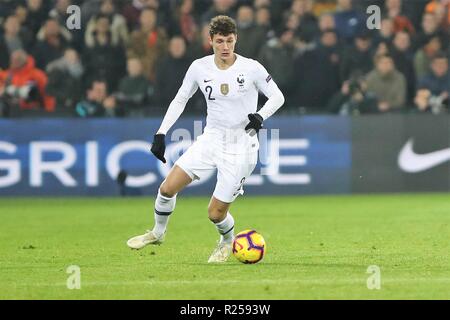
x,y
219,215
195,163
231,175
176,180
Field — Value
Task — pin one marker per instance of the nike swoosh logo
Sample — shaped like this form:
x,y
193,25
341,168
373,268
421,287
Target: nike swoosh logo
x,y
412,162
205,81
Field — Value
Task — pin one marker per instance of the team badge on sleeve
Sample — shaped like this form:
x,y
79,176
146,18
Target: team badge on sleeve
x,y
269,77
224,88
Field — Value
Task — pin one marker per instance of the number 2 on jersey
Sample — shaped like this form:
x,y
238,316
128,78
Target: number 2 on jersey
x,y
208,89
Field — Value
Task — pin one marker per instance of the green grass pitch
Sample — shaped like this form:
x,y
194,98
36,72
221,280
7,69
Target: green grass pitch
x,y
317,248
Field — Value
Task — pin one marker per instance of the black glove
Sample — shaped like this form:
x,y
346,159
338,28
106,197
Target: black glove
x,y
159,146
256,122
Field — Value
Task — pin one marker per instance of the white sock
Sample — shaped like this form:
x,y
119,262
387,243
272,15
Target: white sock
x,y
226,229
164,207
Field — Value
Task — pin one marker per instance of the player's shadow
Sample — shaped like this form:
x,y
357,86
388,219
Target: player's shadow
x,y
277,264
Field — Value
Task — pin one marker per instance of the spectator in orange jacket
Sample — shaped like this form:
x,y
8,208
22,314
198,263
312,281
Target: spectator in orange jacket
x,y
442,10
24,85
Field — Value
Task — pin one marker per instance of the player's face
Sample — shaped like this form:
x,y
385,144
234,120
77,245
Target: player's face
x,y
223,46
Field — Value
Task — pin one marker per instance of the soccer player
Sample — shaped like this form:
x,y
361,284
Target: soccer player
x,y
230,84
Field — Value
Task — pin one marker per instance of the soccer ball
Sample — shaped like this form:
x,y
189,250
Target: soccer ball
x,y
249,246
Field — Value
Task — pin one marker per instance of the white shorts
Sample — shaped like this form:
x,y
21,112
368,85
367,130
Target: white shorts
x,y
204,156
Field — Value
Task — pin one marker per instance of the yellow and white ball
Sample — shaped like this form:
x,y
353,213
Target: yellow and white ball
x,y
249,246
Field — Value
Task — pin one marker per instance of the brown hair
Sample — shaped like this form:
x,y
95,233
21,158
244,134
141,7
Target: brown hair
x,y
222,25
439,55
378,57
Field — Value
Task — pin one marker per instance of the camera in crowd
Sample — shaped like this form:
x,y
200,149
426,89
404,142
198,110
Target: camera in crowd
x,y
28,93
13,96
355,86
353,99
425,101
439,104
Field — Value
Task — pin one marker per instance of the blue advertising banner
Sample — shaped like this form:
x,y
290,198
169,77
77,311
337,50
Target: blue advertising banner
x,y
64,157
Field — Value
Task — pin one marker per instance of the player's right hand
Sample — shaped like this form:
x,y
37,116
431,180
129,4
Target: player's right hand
x,y
159,146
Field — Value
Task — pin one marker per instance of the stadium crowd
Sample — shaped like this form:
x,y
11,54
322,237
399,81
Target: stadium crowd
x,y
129,57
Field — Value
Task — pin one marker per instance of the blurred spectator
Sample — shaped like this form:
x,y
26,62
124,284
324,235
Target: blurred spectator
x,y
133,89
263,20
430,29
427,103
292,22
382,48
421,100
21,13
326,22
403,59
59,13
11,40
277,55
261,4
348,20
52,41
22,86
117,25
388,84
202,47
329,52
185,21
132,11
441,8
219,7
88,10
317,73
171,71
102,57
353,99
357,59
251,37
394,10
386,32
97,102
37,14
148,43
65,80
100,32
275,8
303,10
438,80
423,56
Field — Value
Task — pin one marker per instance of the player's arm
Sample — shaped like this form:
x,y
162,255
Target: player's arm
x,y
275,98
174,111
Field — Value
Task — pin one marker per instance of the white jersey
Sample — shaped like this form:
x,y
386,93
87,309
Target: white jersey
x,y
230,96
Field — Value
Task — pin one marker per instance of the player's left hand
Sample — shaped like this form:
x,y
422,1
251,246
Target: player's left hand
x,y
256,122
